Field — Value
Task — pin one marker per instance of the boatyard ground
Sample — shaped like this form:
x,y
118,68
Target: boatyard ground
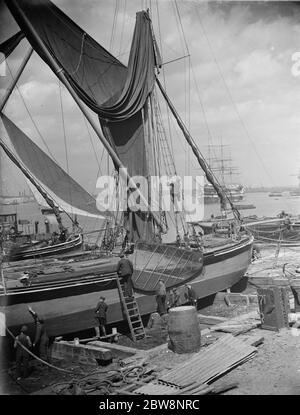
x,y
274,369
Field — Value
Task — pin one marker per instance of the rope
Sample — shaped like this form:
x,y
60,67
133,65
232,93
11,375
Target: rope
x,y
38,358
65,139
30,116
81,54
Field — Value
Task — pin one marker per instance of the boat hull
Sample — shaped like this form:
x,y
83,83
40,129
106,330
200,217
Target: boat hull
x,y
71,309
38,252
272,233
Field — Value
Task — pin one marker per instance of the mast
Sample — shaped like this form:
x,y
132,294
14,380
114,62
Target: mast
x,y
63,77
16,78
208,173
38,187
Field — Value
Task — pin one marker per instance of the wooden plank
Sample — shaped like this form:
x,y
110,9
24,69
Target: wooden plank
x,y
211,362
210,320
116,349
255,340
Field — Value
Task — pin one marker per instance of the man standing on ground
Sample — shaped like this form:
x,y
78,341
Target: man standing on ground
x,y
190,296
125,271
22,355
41,339
161,294
174,299
100,313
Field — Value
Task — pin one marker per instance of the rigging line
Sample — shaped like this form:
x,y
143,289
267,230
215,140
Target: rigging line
x,y
230,95
123,25
164,78
65,142
91,141
80,56
189,81
112,36
40,184
30,116
187,87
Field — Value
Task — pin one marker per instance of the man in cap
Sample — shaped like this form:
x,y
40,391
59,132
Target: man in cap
x,y
190,295
174,298
100,315
161,294
41,339
125,271
22,356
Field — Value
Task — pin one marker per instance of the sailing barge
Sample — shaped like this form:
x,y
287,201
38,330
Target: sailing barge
x,y
123,98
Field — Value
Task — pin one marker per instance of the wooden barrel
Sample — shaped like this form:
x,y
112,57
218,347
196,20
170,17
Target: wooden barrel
x,y
295,287
184,330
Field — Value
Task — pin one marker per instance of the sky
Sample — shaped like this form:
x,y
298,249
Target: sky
x,y
236,87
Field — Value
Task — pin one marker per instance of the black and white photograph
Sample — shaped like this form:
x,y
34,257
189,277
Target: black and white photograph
x,y
149,201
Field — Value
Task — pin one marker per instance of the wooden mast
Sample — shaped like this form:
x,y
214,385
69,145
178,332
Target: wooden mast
x,y
16,78
60,73
32,180
209,175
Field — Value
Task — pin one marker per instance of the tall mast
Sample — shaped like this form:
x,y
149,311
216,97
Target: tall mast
x,y
208,173
16,78
60,73
33,181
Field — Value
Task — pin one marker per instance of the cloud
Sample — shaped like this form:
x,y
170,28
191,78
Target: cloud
x,y
241,61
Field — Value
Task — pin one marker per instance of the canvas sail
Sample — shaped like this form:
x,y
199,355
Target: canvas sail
x,y
61,188
118,94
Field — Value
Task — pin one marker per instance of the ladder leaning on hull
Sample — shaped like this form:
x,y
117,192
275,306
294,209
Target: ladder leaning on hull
x,y
131,311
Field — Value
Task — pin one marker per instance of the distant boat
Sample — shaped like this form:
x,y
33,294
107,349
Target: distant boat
x,y
295,193
125,100
244,207
275,194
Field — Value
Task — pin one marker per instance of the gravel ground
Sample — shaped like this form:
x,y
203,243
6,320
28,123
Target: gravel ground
x,y
275,369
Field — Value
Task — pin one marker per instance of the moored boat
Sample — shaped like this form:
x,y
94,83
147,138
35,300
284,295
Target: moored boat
x,y
67,299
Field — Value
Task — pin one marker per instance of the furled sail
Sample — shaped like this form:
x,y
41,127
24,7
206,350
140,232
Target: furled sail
x,y
10,44
119,95
61,188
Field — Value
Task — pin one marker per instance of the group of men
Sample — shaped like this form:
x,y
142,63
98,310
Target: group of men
x,y
23,343
125,271
174,298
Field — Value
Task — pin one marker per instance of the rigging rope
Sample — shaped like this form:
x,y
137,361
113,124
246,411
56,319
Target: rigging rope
x,y
30,116
231,97
65,140
81,54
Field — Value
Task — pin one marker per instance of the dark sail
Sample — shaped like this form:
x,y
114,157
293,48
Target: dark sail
x,y
10,44
116,93
65,191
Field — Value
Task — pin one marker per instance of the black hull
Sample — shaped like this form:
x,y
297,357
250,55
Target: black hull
x,y
68,306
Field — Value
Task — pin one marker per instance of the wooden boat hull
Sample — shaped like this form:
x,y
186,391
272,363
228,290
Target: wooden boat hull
x,y
38,252
271,233
70,307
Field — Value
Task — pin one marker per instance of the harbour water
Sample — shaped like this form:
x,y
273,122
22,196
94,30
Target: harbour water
x,y
264,206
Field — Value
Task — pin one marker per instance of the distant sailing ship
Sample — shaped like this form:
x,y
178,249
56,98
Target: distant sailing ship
x,y
125,100
221,166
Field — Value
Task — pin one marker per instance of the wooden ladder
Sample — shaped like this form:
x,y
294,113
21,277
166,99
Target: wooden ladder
x,y
131,310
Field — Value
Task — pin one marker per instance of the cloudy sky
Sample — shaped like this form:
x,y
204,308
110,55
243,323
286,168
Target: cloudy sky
x,y
236,88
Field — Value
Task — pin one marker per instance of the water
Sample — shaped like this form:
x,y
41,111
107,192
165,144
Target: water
x,y
265,206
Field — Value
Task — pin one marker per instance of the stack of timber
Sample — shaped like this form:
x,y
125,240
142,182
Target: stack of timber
x,y
240,324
